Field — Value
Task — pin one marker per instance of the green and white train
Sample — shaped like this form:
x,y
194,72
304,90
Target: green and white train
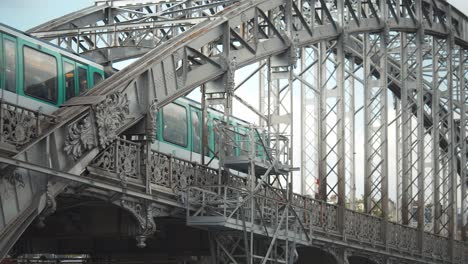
x,y
38,74
41,76
179,131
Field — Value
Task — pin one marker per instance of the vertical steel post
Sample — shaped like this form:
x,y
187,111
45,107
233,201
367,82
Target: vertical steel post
x,y
452,141
384,129
367,127
350,126
435,134
463,138
340,82
398,158
420,125
405,127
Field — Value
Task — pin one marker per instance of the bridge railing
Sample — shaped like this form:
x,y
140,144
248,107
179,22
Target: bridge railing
x,y
363,228
121,160
314,217
125,160
436,246
170,172
402,238
19,125
209,193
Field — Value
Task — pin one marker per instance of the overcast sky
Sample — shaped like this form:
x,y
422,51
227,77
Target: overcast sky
x,y
460,4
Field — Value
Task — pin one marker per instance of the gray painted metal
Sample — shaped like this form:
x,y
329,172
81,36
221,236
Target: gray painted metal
x,y
392,36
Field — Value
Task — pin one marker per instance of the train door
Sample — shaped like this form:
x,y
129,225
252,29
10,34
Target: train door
x,y
40,74
9,63
70,81
196,132
175,132
83,78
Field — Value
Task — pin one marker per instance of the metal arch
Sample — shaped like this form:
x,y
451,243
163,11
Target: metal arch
x,y
120,30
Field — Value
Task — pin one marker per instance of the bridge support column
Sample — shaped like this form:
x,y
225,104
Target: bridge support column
x,y
463,141
452,195
405,133
376,126
420,103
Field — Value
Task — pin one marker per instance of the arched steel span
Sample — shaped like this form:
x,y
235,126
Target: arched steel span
x,y
119,30
274,27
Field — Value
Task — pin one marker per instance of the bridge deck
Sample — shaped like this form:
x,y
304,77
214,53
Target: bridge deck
x,y
308,222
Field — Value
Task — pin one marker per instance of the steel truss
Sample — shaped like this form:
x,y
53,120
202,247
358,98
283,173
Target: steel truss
x,y
118,30
414,49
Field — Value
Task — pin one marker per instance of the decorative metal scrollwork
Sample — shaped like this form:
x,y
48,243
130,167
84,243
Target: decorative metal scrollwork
x,y
49,209
80,138
110,115
122,158
402,237
11,174
106,159
151,126
182,177
19,126
362,227
144,215
128,158
159,167
230,82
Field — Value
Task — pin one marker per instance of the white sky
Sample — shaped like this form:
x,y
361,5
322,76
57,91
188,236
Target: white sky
x,y
462,5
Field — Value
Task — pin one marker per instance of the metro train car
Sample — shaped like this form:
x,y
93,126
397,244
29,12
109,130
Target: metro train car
x,y
179,131
39,75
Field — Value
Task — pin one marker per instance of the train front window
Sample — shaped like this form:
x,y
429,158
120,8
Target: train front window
x,y
40,75
97,78
175,124
69,70
10,65
82,79
196,132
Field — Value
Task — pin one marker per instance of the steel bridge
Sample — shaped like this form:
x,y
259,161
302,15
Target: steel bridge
x,y
391,73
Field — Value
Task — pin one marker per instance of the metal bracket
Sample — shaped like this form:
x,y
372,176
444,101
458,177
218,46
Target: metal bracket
x,y
49,209
142,212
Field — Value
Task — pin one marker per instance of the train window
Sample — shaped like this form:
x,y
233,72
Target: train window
x,y
196,132
175,124
69,70
10,65
40,74
82,79
97,78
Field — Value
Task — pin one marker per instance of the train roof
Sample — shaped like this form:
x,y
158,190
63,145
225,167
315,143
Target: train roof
x,y
23,35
